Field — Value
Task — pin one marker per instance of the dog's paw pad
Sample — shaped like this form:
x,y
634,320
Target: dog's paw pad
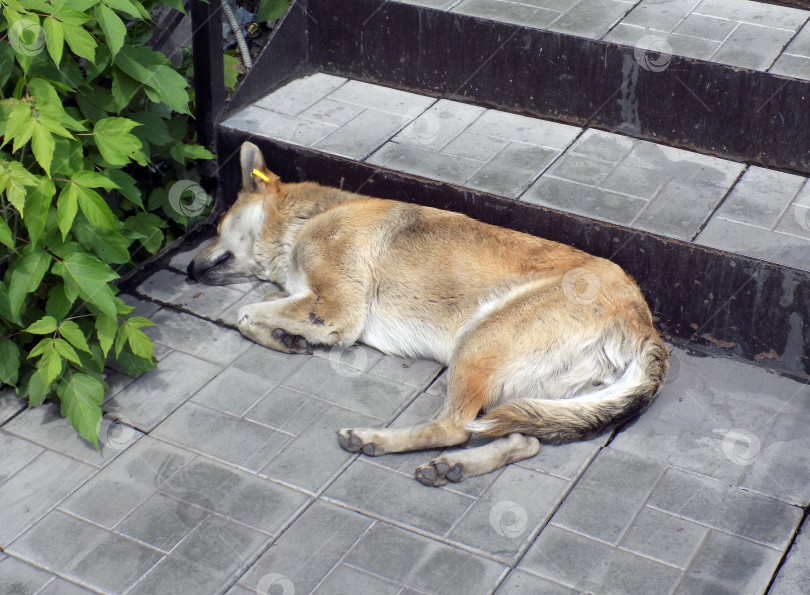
x,y
293,343
439,472
370,449
349,441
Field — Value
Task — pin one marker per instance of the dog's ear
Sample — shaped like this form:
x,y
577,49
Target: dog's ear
x,y
255,175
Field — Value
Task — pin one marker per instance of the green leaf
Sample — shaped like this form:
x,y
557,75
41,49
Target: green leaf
x,y
37,389
126,186
151,68
41,347
124,6
114,142
88,277
134,365
19,125
58,304
65,350
92,179
26,275
9,362
106,328
37,207
107,244
81,396
153,128
113,27
66,206
6,237
97,211
54,38
270,10
124,88
49,363
79,41
74,335
13,180
42,145
170,87
44,326
139,343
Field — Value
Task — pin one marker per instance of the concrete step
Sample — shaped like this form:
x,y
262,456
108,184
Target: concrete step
x,y
719,247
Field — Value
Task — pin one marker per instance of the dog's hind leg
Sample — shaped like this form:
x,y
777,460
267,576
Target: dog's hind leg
x,y
380,441
461,464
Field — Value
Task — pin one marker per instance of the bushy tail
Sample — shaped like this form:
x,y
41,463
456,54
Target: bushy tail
x,y
580,418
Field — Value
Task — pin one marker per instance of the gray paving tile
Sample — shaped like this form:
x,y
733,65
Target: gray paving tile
x,y
792,66
474,146
363,135
605,500
417,373
663,537
290,129
525,130
35,489
173,288
591,18
314,456
181,259
760,197
421,162
522,583
584,170
511,171
382,98
235,494
728,564
800,46
794,575
20,578
45,425
133,477
566,460
507,12
438,4
233,391
152,397
675,44
594,566
370,395
422,563
162,521
796,218
756,242
440,124
298,95
505,516
767,15
397,497
63,587
705,27
659,16
17,453
604,146
751,46
331,112
268,364
221,436
10,405
142,307
206,561
583,200
346,579
733,510
635,181
86,552
310,548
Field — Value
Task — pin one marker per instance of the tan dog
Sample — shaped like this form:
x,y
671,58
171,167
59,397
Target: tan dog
x,y
550,342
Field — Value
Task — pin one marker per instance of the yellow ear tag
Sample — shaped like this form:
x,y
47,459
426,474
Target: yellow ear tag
x,y
259,174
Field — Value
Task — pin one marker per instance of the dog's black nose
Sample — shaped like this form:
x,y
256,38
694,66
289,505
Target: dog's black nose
x,y
190,269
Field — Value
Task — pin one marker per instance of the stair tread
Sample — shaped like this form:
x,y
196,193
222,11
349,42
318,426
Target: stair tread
x,y
739,33
714,202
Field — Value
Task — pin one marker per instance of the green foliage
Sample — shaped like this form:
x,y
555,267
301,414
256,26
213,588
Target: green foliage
x,y
270,10
93,134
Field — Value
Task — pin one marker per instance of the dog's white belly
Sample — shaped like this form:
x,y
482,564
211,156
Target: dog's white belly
x,y
408,337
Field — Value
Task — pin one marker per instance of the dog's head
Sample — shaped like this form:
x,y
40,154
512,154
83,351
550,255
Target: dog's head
x,y
238,254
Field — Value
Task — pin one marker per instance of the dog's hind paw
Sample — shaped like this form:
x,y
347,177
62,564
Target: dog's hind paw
x,y
438,472
293,343
351,442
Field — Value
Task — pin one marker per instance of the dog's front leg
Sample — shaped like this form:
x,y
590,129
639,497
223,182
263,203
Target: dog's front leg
x,y
294,323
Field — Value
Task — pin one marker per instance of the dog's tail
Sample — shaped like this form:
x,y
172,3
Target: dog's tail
x,y
582,417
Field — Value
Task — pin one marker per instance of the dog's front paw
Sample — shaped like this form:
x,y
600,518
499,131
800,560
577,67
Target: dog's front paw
x,y
439,471
292,343
350,441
